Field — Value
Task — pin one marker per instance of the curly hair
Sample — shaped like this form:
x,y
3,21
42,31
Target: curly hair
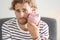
x,y
30,2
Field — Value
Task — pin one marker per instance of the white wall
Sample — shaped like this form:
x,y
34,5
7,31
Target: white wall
x,y
4,9
46,8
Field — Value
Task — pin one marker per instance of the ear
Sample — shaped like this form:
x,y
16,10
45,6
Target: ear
x,y
33,9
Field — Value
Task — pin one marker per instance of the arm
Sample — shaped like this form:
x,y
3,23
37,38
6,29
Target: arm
x,y
45,31
5,32
34,30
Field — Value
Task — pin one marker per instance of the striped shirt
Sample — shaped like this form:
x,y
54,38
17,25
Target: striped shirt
x,y
11,31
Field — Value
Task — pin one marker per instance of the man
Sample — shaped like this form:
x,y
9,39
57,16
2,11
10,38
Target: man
x,y
21,27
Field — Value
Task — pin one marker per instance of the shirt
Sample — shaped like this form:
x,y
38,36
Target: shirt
x,y
12,31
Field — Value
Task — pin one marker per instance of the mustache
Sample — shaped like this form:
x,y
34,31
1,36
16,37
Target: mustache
x,y
22,18
23,23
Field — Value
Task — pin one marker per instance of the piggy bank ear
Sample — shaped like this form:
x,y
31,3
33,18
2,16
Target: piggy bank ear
x,y
33,8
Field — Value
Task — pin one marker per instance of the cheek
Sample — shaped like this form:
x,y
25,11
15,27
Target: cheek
x,y
17,15
26,15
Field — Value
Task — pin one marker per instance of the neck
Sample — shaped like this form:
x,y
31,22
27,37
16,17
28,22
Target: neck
x,y
23,27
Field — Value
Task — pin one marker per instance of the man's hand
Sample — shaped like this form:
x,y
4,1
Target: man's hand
x,y
33,29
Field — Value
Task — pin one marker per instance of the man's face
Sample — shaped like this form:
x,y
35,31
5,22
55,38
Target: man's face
x,y
22,11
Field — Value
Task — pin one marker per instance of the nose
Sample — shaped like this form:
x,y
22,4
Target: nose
x,y
21,14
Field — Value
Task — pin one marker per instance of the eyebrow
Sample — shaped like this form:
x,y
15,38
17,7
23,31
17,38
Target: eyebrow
x,y
24,9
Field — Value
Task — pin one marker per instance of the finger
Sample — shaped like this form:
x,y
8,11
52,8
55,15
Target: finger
x,y
31,23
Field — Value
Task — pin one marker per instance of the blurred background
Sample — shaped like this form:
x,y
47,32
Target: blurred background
x,y
46,8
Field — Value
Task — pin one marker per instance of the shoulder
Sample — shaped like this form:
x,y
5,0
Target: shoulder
x,y
43,24
11,21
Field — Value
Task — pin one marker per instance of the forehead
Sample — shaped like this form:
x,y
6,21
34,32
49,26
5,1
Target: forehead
x,y
20,6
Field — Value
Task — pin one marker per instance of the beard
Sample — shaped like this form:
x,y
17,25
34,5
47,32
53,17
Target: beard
x,y
22,21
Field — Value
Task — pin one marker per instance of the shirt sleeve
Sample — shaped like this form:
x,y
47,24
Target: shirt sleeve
x,y
45,30
5,32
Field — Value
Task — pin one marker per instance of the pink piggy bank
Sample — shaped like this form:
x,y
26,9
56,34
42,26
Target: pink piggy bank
x,y
35,18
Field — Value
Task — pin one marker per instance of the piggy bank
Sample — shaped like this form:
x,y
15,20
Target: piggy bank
x,y
35,18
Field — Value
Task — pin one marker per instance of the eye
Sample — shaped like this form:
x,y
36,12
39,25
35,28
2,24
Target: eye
x,y
17,10
24,10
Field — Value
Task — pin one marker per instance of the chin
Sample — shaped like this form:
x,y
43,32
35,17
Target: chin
x,y
23,22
